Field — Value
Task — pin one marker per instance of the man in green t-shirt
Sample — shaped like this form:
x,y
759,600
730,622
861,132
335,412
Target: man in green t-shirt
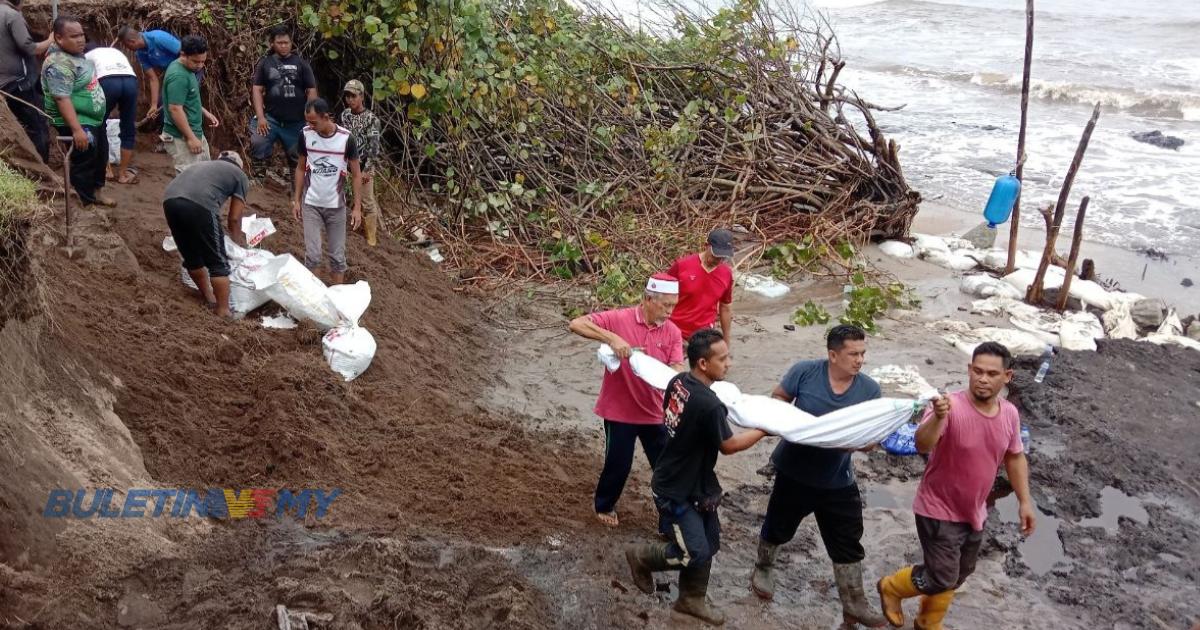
x,y
183,126
75,103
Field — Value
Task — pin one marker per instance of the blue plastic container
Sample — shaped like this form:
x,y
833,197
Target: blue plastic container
x,y
1000,203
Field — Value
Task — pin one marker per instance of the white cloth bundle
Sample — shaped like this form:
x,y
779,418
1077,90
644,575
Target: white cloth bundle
x,y
857,426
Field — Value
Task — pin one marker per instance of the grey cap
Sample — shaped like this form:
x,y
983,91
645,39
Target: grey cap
x,y
231,156
721,241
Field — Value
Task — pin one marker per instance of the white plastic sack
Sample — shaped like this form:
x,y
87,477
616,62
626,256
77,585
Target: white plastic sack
x,y
854,427
1171,325
1080,330
295,288
764,286
1163,338
243,296
897,249
1042,324
1118,322
646,367
256,229
349,350
278,322
904,379
958,259
1018,342
985,286
351,300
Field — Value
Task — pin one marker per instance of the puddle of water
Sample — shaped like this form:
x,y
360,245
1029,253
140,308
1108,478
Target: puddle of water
x,y
894,494
1043,549
1113,505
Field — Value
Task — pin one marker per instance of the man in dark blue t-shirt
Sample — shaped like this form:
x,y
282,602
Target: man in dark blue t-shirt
x,y
820,481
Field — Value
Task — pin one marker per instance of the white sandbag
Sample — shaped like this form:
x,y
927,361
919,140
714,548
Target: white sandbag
x,y
997,305
1080,330
1018,342
854,427
349,350
1043,324
351,300
925,243
897,249
904,379
958,259
763,285
1168,339
1091,294
1022,278
257,229
278,322
985,286
295,288
1118,322
243,296
646,367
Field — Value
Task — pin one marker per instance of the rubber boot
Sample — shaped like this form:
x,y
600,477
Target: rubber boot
x,y
693,591
762,581
892,590
371,227
933,610
855,608
644,560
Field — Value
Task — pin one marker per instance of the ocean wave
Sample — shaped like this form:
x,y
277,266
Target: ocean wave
x,y
1153,104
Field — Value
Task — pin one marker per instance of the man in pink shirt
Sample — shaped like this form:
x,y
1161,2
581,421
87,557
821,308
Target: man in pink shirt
x,y
632,410
967,435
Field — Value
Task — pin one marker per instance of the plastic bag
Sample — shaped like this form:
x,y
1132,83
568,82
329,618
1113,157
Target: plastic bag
x,y
349,350
1118,322
1080,330
902,441
256,229
295,288
646,367
112,129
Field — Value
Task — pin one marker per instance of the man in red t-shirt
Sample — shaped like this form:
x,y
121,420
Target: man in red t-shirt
x,y
632,410
967,435
705,287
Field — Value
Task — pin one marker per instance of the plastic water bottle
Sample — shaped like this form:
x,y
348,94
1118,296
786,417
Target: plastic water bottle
x,y
1025,437
1000,203
1045,367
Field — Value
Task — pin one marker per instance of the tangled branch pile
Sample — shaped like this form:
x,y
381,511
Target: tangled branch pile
x,y
569,142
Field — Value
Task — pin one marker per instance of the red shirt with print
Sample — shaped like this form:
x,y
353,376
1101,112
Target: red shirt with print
x,y
700,291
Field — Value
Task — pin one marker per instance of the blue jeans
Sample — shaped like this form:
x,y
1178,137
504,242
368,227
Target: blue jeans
x,y
694,535
287,134
121,92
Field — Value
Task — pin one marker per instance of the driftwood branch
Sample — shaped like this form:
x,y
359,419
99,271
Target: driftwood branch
x,y
1076,241
1015,227
1035,294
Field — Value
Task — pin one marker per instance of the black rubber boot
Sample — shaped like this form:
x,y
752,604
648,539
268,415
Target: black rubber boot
x,y
762,581
693,591
644,560
855,608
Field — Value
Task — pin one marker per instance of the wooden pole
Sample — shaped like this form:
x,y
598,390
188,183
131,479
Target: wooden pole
x,y
1076,240
1034,295
1015,221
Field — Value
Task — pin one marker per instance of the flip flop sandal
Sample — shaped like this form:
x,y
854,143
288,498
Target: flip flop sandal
x,y
133,176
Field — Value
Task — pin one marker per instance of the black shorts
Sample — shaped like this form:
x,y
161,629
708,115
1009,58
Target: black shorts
x,y
198,235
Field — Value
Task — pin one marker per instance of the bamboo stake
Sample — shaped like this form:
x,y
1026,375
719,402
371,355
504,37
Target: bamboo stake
x,y
1034,295
1076,240
1015,224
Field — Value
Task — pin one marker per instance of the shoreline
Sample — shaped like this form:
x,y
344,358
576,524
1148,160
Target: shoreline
x,y
1135,272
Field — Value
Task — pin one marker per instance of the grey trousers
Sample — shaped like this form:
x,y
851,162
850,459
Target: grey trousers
x,y
950,550
333,221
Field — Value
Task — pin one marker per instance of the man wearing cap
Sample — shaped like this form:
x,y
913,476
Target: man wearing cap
x,y
632,410
192,204
364,127
705,287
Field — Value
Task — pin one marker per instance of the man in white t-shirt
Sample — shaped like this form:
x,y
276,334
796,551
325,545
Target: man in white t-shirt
x,y
120,86
327,154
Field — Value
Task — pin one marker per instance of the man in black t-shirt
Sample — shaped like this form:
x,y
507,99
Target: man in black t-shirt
x,y
686,490
283,83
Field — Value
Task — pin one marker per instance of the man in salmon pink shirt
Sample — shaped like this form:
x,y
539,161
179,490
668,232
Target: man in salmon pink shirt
x,y
705,287
631,408
967,436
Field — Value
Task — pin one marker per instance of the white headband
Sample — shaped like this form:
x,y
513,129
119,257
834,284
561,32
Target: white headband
x,y
659,285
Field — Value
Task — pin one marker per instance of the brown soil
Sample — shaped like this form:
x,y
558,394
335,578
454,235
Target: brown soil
x,y
211,404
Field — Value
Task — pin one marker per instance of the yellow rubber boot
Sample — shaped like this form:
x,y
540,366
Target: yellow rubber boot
x,y
371,227
892,590
933,610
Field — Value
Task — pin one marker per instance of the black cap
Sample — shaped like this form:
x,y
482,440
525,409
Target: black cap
x,y
721,242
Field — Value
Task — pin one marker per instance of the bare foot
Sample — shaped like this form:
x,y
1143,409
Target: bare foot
x,y
608,519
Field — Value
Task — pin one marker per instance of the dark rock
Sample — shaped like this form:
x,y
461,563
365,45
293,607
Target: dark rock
x,y
928,361
1186,283
789,327
1193,330
1157,139
1148,313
